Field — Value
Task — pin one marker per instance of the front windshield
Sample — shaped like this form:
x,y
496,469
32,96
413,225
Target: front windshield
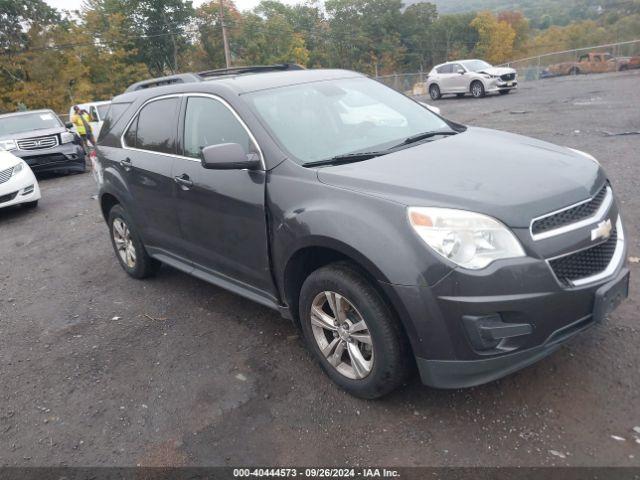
x,y
320,120
28,121
476,65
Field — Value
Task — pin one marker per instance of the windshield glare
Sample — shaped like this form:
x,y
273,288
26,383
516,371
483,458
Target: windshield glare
x,y
476,65
27,122
320,120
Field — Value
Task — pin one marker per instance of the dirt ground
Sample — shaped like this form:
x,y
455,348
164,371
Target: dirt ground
x,y
99,369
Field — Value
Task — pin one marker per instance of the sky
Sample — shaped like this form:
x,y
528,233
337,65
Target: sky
x,y
240,4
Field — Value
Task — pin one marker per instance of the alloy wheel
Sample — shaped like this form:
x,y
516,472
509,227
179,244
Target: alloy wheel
x,y
342,335
476,89
124,243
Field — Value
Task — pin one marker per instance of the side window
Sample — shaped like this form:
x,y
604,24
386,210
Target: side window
x,y
597,59
156,126
456,67
445,69
94,114
209,122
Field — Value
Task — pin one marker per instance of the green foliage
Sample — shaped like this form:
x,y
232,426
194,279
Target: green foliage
x,y
49,60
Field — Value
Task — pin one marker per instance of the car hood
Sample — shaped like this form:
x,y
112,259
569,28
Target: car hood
x,y
507,176
7,160
497,70
42,132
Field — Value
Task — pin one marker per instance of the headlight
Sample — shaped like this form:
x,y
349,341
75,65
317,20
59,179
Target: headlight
x,y
8,145
585,154
469,239
17,169
67,137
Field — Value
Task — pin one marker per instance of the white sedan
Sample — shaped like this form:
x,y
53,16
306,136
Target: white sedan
x,y
18,184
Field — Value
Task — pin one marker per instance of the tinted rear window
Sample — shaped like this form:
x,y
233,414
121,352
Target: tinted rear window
x,y
157,126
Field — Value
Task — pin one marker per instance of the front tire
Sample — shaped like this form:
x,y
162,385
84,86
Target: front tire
x,y
434,92
352,332
128,247
477,89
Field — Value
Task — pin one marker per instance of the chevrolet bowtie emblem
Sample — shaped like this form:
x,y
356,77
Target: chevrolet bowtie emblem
x,y
603,230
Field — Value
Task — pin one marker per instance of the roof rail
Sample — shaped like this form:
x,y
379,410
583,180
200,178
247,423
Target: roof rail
x,y
200,76
250,69
162,81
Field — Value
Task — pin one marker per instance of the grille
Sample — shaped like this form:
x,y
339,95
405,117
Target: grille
x,y
38,142
5,175
586,262
571,215
508,76
38,160
8,198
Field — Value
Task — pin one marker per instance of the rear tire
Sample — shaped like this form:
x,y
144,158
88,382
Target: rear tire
x,y
434,92
376,359
477,89
128,247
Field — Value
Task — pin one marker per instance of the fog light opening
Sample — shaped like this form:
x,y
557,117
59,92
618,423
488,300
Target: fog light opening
x,y
28,190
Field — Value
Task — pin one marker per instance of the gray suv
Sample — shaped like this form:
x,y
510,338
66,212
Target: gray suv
x,y
392,237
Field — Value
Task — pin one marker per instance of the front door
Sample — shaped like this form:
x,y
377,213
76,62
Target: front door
x,y
146,163
222,212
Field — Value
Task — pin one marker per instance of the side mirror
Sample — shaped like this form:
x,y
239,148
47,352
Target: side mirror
x,y
461,71
228,156
69,125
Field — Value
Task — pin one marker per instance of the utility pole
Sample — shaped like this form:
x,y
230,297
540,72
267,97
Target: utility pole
x,y
227,56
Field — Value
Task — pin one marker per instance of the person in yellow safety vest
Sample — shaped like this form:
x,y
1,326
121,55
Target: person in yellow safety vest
x,y
80,120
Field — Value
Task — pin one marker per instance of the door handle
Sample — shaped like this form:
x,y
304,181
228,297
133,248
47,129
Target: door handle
x,y
184,181
126,164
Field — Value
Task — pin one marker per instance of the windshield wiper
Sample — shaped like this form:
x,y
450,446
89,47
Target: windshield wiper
x,y
423,136
346,158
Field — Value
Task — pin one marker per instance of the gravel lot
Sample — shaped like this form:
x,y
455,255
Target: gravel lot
x,y
100,369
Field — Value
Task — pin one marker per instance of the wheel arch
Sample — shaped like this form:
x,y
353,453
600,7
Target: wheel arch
x,y
320,252
107,202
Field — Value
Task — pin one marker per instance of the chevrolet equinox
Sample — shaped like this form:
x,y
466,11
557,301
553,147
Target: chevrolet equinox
x,y
393,237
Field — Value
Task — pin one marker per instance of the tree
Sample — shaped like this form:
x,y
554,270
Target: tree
x,y
161,25
495,38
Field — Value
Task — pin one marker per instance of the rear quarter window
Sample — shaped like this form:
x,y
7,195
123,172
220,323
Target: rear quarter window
x,y
111,116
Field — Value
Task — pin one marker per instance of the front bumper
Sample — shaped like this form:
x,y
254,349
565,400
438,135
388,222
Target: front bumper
x,y
469,373
65,157
496,85
519,292
22,188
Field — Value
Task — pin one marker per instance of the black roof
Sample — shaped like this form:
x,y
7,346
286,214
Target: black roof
x,y
207,74
240,82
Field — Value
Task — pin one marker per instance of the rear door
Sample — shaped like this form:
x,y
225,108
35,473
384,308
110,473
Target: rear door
x,y
222,212
459,82
446,79
147,156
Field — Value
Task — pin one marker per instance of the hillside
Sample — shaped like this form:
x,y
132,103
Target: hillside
x,y
541,13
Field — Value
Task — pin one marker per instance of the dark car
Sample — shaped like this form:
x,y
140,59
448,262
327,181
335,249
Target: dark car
x,y
41,139
391,236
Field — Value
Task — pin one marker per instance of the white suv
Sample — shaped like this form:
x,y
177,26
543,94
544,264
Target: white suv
x,y
476,77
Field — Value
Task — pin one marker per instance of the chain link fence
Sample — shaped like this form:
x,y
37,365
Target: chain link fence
x,y
567,61
536,67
